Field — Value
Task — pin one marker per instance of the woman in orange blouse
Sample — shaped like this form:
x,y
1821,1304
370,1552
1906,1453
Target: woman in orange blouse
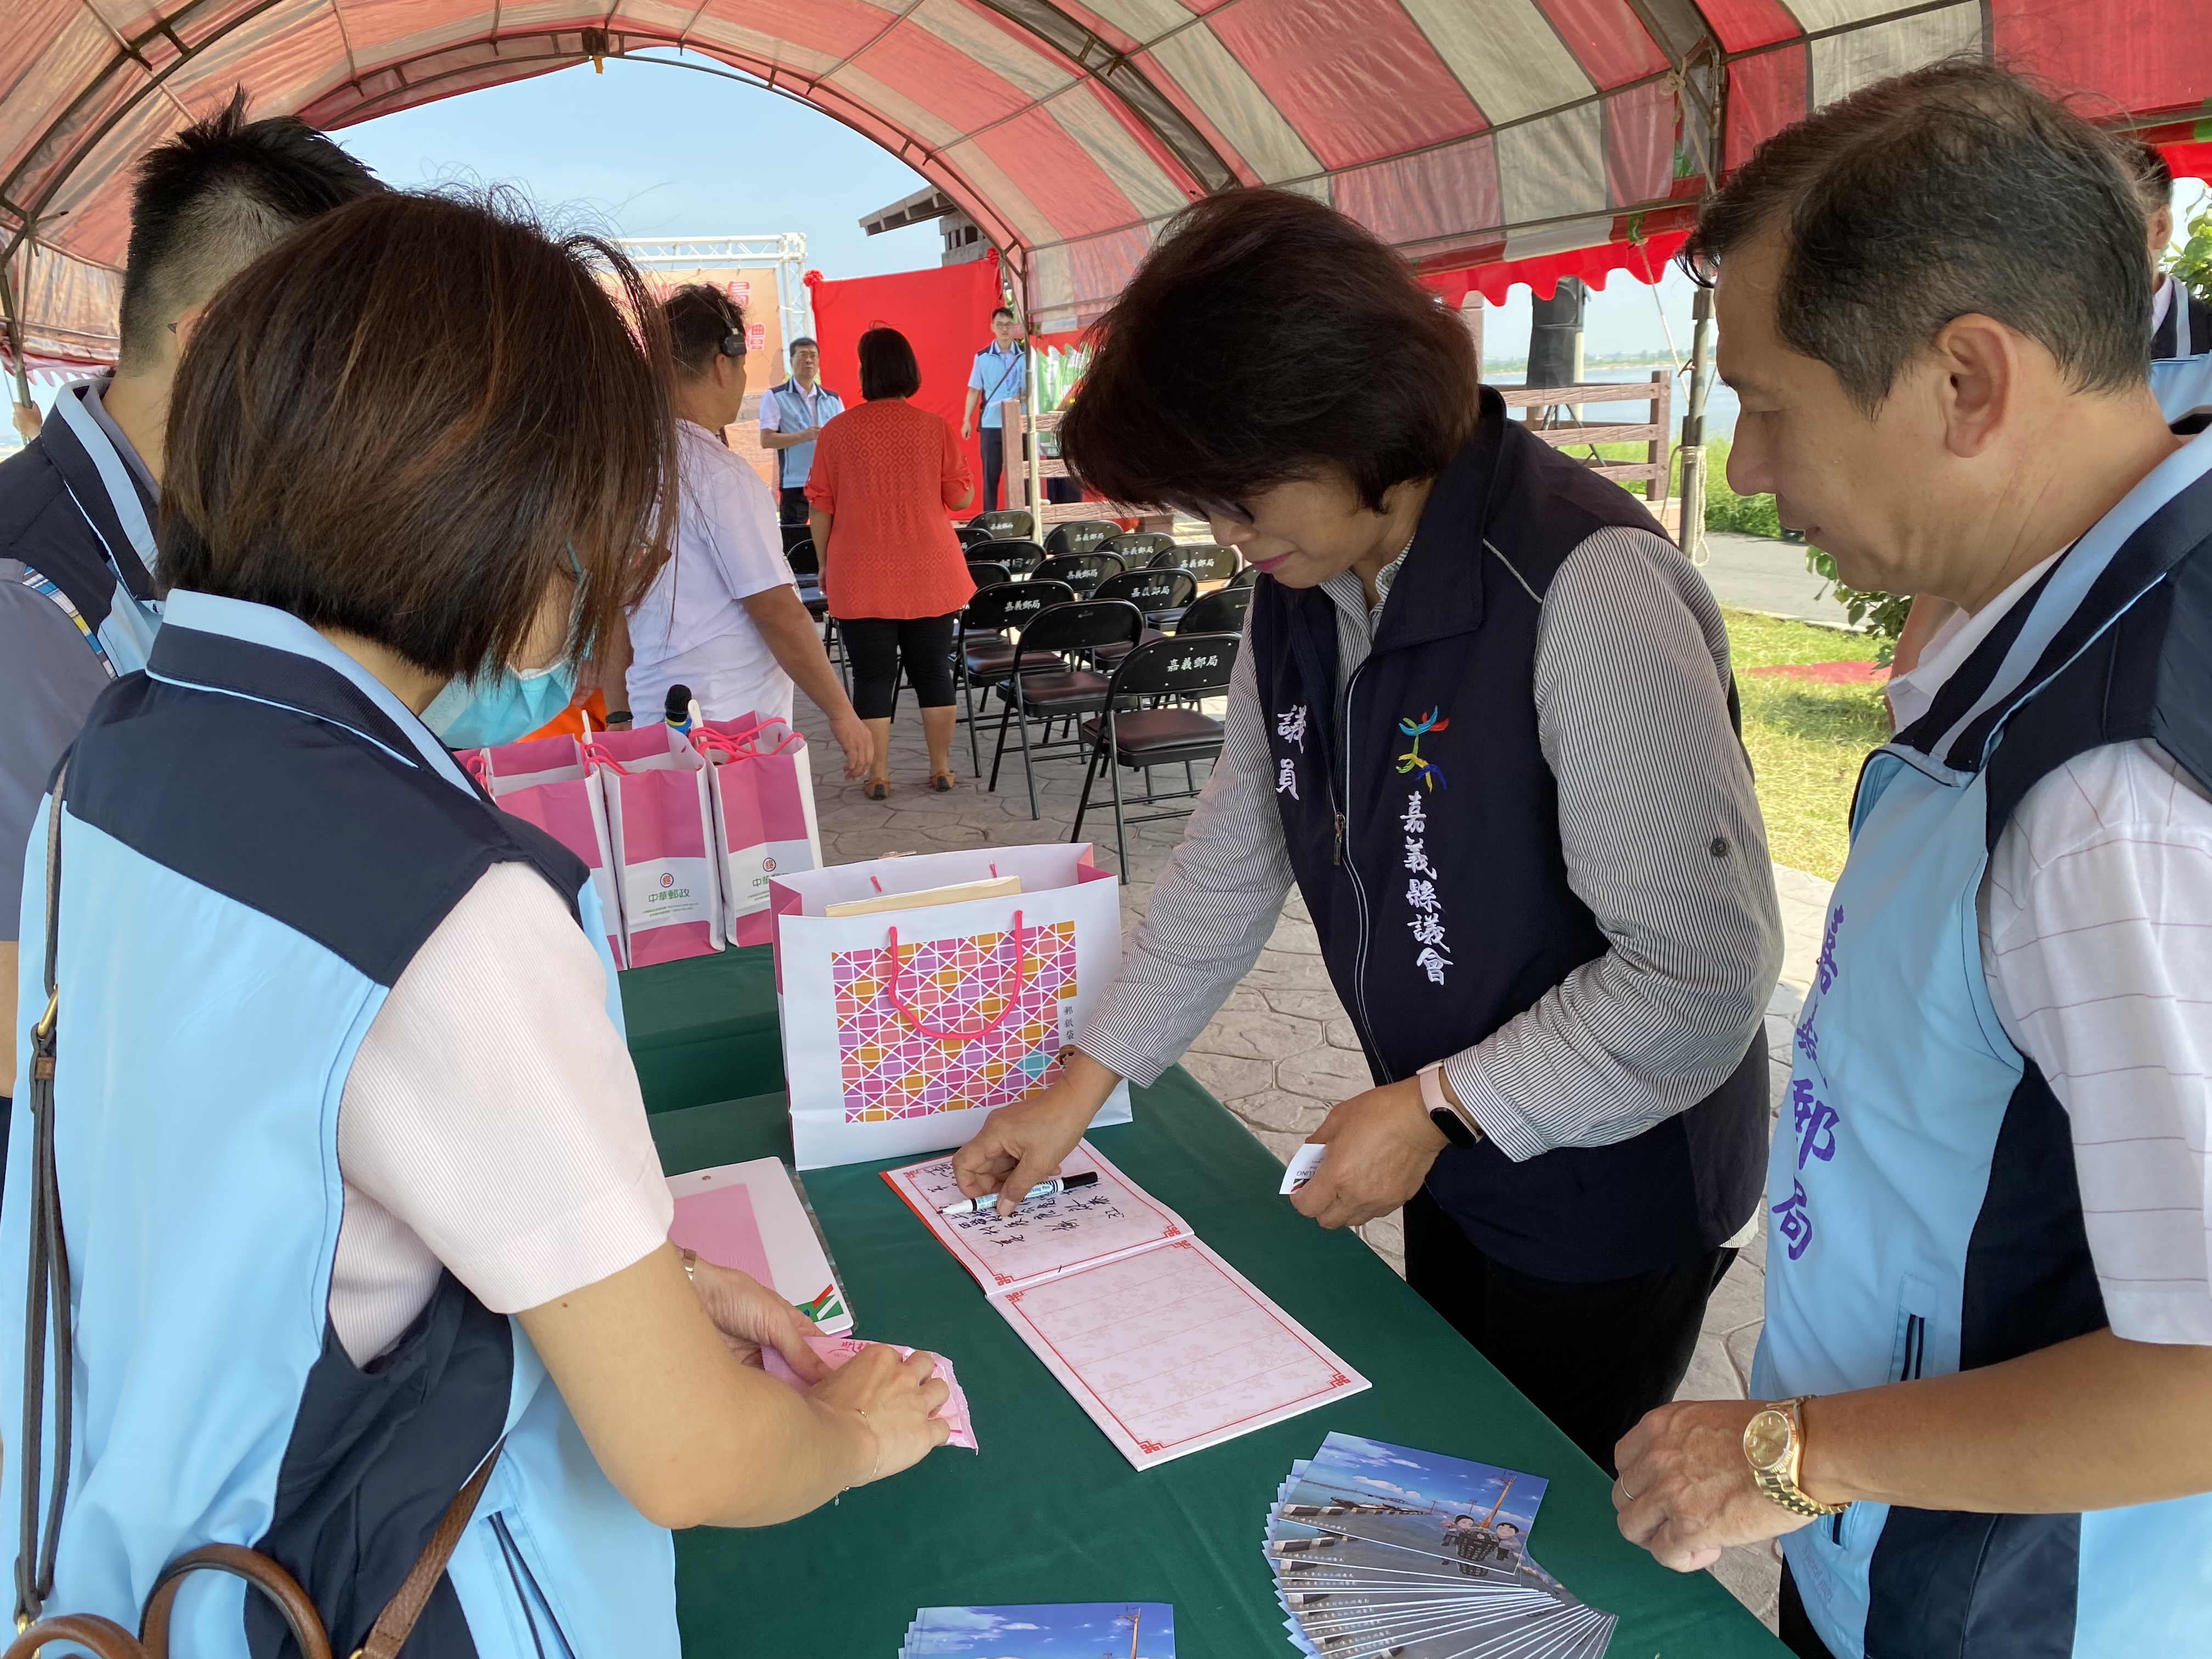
x,y
883,477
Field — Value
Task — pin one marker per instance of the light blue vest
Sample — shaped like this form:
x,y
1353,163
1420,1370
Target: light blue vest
x,y
1921,1191
126,633
793,465
221,958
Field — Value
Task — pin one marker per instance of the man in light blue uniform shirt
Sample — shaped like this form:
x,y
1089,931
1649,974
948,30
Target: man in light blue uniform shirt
x,y
1001,372
78,503
1979,1399
791,417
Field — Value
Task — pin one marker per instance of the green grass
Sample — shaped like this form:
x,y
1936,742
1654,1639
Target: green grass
x,y
1807,740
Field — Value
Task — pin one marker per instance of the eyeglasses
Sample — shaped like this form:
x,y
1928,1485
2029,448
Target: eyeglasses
x,y
1198,506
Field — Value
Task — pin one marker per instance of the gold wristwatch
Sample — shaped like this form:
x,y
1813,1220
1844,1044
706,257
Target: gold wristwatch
x,y
1773,1442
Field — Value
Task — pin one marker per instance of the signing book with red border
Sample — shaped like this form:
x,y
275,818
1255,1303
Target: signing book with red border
x,y
1166,1346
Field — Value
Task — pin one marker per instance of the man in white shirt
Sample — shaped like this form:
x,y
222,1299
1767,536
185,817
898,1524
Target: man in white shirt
x,y
791,417
724,616
1987,1359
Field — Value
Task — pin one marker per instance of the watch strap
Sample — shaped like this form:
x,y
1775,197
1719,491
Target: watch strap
x,y
1779,1483
1447,1117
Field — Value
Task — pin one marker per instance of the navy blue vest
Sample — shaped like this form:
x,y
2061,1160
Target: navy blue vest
x,y
1423,832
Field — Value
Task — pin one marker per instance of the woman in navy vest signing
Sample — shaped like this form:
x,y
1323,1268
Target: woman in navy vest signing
x,y
363,1224
1482,723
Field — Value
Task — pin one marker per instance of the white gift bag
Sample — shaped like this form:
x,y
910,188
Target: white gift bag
x,y
904,1028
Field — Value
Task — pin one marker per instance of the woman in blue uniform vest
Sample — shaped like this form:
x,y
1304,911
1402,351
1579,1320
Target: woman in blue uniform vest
x,y
1481,722
361,1217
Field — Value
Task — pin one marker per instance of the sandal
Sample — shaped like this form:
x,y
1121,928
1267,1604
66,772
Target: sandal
x,y
943,782
876,791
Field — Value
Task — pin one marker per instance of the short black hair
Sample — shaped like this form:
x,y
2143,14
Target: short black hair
x,y
803,340
1006,311
216,198
2154,177
703,324
1266,338
1954,189
887,366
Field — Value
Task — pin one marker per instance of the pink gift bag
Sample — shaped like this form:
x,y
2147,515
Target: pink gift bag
x,y
661,826
553,783
761,789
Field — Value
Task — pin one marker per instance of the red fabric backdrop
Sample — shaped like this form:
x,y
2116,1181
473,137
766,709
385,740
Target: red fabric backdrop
x,y
946,315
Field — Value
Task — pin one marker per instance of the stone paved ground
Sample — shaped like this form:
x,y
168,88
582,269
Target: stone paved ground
x,y
1281,1050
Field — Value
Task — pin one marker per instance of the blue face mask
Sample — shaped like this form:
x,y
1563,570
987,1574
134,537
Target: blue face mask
x,y
501,706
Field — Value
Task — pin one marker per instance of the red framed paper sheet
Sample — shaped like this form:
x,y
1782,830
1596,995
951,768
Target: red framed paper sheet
x,y
1171,1350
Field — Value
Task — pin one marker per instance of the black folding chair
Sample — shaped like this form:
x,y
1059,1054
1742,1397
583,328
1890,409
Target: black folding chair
x,y
986,574
1019,556
807,565
1245,577
1205,563
793,534
1041,685
1162,595
1079,536
1137,547
970,534
981,653
1124,733
1221,612
1007,524
1081,571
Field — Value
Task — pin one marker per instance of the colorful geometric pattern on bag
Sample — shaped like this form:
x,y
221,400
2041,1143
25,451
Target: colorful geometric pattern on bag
x,y
975,1021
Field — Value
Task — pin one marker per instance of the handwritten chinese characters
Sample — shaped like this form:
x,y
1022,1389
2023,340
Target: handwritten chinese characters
x,y
1046,1236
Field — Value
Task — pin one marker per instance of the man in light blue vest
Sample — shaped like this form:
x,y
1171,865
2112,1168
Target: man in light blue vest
x,y
1983,1389
791,417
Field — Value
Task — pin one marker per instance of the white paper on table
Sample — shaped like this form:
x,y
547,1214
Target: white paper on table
x,y
1171,1350
1046,1238
753,1217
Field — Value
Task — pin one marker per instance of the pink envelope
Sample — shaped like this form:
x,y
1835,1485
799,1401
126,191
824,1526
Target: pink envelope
x,y
837,1350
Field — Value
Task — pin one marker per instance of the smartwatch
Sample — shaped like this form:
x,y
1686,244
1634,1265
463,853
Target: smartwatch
x,y
1456,1129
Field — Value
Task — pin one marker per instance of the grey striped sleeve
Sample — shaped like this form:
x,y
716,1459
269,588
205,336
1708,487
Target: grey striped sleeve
x,y
1210,913
1663,841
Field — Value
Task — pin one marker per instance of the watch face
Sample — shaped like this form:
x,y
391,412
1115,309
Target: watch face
x,y
1766,1439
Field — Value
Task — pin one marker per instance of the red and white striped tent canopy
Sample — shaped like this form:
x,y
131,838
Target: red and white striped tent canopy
x,y
1502,139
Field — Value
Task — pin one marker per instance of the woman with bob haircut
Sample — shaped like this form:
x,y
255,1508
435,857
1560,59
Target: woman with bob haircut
x,y
883,478
1482,723
361,1218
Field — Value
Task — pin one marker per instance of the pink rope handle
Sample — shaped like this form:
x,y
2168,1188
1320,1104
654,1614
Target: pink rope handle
x,y
478,766
595,756
747,748
1023,964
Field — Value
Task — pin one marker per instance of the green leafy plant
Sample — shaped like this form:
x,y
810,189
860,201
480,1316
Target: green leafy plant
x,y
2192,266
1880,614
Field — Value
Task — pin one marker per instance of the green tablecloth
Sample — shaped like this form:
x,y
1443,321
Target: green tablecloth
x,y
704,1029
1048,1512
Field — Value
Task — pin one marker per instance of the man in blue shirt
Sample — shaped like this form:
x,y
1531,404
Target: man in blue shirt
x,y
791,417
78,503
1001,372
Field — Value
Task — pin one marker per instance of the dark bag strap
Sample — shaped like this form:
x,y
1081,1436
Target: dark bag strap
x,y
46,1311
46,1297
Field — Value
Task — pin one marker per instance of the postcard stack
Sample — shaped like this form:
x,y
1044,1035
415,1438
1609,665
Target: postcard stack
x,y
1379,1552
1056,1630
